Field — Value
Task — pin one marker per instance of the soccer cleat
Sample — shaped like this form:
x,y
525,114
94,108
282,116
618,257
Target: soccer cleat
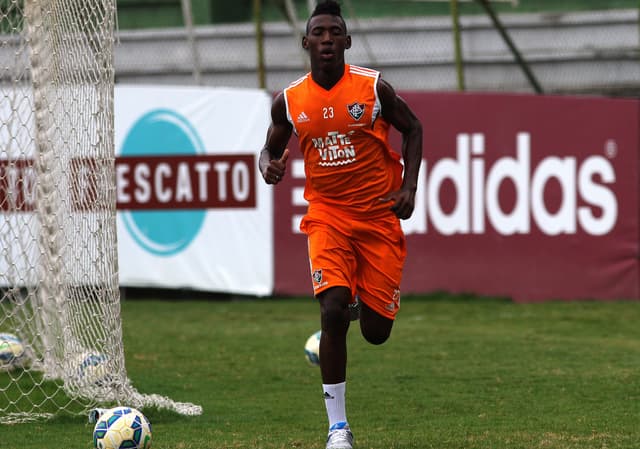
x,y
354,309
340,436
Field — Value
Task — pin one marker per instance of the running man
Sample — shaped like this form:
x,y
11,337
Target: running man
x,y
357,192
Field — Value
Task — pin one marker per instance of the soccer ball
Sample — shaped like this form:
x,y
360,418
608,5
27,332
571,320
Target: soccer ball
x,y
92,369
12,352
312,349
122,428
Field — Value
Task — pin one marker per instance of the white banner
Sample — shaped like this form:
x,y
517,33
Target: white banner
x,y
192,212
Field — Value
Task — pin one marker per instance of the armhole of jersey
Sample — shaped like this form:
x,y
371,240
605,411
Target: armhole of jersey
x,y
286,105
377,106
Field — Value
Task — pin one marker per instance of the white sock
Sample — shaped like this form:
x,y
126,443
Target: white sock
x,y
334,401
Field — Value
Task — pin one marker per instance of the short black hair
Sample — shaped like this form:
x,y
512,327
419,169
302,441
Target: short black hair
x,y
329,7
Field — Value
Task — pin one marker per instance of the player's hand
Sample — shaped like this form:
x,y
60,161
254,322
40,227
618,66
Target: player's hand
x,y
275,171
403,202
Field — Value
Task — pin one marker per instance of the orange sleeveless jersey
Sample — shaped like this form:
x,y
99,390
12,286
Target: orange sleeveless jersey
x,y
344,140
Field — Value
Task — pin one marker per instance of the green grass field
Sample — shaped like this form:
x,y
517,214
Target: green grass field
x,y
457,373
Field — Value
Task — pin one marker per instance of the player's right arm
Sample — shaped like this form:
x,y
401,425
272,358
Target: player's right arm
x,y
274,154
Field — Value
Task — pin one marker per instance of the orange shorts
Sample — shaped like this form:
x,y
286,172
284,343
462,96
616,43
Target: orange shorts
x,y
366,256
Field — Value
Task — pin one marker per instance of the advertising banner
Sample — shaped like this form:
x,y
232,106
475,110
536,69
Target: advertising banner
x,y
521,196
191,212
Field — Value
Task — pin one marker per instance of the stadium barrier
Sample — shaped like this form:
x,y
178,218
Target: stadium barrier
x,y
522,196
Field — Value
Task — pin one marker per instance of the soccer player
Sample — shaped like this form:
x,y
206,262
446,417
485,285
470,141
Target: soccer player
x,y
357,191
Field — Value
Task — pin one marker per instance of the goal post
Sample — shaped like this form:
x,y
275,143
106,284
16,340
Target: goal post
x,y
59,291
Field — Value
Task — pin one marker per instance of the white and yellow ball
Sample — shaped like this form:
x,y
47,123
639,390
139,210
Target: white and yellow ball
x,y
92,368
12,352
122,428
312,348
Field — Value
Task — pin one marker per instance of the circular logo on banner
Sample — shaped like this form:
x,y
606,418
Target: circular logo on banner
x,y
163,232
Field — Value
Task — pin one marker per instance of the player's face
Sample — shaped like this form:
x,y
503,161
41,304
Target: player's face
x,y
326,41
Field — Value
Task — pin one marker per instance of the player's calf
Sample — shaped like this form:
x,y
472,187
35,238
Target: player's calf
x,y
375,328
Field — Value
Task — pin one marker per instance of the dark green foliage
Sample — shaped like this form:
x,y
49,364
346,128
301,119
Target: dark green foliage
x,y
167,13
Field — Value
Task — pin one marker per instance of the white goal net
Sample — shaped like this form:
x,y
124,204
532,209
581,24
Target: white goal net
x,y
60,326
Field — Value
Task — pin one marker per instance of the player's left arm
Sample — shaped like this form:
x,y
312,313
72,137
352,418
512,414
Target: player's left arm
x,y
396,111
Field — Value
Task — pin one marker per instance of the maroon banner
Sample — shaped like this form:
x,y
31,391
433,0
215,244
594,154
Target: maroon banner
x,y
144,182
186,182
17,185
167,182
520,196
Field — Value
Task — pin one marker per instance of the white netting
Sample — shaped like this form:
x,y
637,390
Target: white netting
x,y
58,254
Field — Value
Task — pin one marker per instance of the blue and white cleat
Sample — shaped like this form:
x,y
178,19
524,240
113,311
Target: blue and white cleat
x,y
340,436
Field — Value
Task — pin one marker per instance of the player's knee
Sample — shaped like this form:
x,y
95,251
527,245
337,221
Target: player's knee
x,y
334,316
